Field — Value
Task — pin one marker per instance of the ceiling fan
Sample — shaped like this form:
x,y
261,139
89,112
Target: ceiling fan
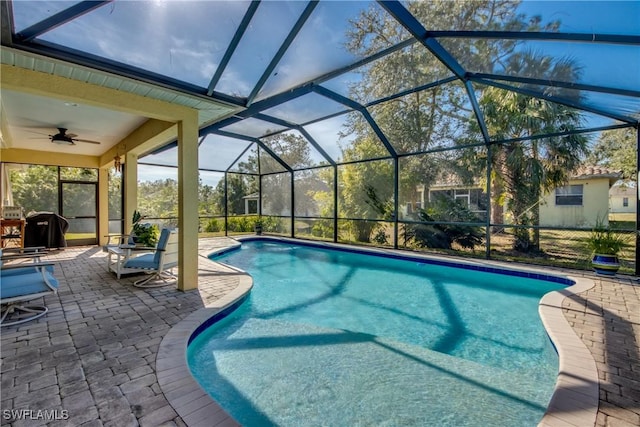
x,y
62,137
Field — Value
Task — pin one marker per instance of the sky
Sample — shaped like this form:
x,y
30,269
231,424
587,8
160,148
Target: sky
x,y
152,35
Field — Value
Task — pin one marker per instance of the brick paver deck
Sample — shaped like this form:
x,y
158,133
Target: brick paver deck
x,y
94,354
607,319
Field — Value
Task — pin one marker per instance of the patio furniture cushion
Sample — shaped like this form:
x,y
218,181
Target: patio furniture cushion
x,y
16,271
160,262
19,285
26,282
146,261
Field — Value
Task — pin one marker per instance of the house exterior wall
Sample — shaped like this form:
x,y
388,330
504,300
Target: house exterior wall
x,y
618,194
595,205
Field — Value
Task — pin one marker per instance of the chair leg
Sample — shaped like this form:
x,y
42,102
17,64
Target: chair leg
x,y
162,275
25,313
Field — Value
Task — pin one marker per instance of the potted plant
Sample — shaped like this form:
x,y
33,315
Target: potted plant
x,y
257,226
144,234
605,244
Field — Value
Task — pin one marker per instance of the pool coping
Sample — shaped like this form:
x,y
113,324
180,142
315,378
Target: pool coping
x,y
184,394
574,401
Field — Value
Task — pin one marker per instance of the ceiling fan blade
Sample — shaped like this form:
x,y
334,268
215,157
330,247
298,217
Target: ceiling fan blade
x,y
86,140
37,133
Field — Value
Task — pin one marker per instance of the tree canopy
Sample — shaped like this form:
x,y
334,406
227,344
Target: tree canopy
x,y
441,117
616,149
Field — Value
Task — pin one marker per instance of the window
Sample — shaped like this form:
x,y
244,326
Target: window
x,y
625,202
252,206
569,195
463,195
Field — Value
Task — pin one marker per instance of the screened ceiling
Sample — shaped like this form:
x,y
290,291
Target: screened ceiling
x,y
319,73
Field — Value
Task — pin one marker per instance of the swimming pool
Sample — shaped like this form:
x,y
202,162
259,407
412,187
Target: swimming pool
x,y
340,338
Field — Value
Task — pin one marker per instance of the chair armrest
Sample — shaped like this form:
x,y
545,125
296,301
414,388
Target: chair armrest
x,y
142,248
10,257
32,265
119,238
8,254
30,249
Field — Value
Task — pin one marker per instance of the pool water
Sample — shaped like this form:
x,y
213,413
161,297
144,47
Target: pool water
x,y
331,337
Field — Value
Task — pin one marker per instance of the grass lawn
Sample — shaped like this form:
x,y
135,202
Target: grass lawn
x,y
77,236
624,217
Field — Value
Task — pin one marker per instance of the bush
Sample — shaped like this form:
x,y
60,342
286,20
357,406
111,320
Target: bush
x,y
380,237
241,224
444,235
605,241
213,226
270,224
323,228
146,234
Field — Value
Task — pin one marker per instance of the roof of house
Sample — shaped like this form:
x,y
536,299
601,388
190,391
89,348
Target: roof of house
x,y
624,188
585,172
452,180
591,172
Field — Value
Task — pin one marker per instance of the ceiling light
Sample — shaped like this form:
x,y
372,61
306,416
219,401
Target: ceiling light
x,y
62,140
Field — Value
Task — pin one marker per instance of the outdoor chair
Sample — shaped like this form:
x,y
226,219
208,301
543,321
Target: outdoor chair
x,y
22,283
117,240
120,249
159,264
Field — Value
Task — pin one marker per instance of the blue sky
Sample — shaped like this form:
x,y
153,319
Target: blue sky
x,y
152,35
186,40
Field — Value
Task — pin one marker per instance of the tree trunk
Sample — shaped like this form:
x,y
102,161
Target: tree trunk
x,y
535,219
497,210
363,231
535,211
521,217
497,191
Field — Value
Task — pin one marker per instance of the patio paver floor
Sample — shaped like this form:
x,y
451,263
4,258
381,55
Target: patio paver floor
x,y
94,354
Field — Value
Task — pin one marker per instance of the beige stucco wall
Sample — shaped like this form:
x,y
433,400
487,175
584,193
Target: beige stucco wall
x,y
595,204
616,196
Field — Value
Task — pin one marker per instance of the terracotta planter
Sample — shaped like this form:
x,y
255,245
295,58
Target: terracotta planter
x,y
607,265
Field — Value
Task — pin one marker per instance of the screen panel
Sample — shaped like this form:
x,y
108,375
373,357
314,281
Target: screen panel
x,y
242,189
314,193
276,194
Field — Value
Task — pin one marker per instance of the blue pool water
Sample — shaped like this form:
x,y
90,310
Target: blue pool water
x,y
332,338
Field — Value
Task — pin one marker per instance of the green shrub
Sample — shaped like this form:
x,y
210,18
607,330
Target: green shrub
x,y
144,234
444,235
605,241
270,224
213,226
380,237
241,224
322,228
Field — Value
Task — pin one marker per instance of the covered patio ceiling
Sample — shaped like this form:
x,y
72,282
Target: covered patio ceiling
x,y
293,67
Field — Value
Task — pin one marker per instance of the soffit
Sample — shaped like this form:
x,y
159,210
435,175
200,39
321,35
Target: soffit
x,y
209,111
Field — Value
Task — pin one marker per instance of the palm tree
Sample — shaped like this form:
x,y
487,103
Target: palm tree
x,y
522,171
